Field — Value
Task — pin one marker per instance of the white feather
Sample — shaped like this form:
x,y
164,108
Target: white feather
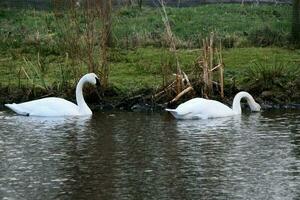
x,y
53,106
199,108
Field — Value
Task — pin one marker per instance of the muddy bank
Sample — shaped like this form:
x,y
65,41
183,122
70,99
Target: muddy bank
x,y
140,101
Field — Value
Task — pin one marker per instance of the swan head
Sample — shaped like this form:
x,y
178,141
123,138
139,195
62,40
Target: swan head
x,y
255,107
92,78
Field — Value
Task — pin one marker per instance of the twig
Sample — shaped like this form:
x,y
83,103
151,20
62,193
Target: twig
x,y
182,93
164,90
216,67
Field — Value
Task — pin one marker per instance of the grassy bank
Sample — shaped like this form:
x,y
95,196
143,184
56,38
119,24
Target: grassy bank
x,y
257,54
238,26
132,70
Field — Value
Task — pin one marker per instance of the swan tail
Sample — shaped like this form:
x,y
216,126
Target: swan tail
x,y
178,115
174,112
171,110
14,107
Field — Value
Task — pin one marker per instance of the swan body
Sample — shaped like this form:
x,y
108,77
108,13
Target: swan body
x,y
199,108
53,106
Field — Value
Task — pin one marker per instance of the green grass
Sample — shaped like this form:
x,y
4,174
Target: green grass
x,y
140,51
229,21
141,68
237,25
137,64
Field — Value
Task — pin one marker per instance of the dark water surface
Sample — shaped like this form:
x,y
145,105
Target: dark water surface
x,y
124,155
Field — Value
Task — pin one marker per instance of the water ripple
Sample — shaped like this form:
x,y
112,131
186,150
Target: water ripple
x,y
150,156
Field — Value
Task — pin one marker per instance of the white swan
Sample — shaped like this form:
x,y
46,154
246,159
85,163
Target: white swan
x,y
199,108
53,106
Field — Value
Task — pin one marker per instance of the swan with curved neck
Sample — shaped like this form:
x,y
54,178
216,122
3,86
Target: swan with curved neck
x,y
199,108
53,106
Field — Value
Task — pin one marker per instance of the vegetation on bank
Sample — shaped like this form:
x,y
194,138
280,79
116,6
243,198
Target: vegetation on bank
x,y
236,25
296,22
258,57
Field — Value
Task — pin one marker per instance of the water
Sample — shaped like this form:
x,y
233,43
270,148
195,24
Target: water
x,y
123,155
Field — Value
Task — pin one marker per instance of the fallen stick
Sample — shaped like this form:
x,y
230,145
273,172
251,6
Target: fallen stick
x,y
186,78
216,67
186,90
164,90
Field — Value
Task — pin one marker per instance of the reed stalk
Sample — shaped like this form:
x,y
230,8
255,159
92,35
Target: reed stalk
x,y
106,40
208,67
172,46
86,30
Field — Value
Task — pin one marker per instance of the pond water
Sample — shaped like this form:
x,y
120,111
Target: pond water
x,y
127,155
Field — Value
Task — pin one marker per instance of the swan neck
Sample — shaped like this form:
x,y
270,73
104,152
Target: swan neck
x,y
83,107
236,106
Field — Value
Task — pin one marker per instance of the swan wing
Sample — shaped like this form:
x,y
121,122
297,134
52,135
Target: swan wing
x,y
201,108
213,109
51,106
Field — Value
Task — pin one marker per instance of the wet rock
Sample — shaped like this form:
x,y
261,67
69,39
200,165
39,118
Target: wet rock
x,y
294,105
141,107
266,106
146,107
291,106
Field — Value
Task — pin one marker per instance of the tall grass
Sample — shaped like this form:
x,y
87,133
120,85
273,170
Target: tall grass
x,y
193,24
275,76
237,26
85,32
64,44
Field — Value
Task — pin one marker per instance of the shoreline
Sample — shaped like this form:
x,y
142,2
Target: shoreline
x,y
140,101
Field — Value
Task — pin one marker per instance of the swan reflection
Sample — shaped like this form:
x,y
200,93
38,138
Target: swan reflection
x,y
148,156
238,155
207,125
222,123
44,123
36,152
